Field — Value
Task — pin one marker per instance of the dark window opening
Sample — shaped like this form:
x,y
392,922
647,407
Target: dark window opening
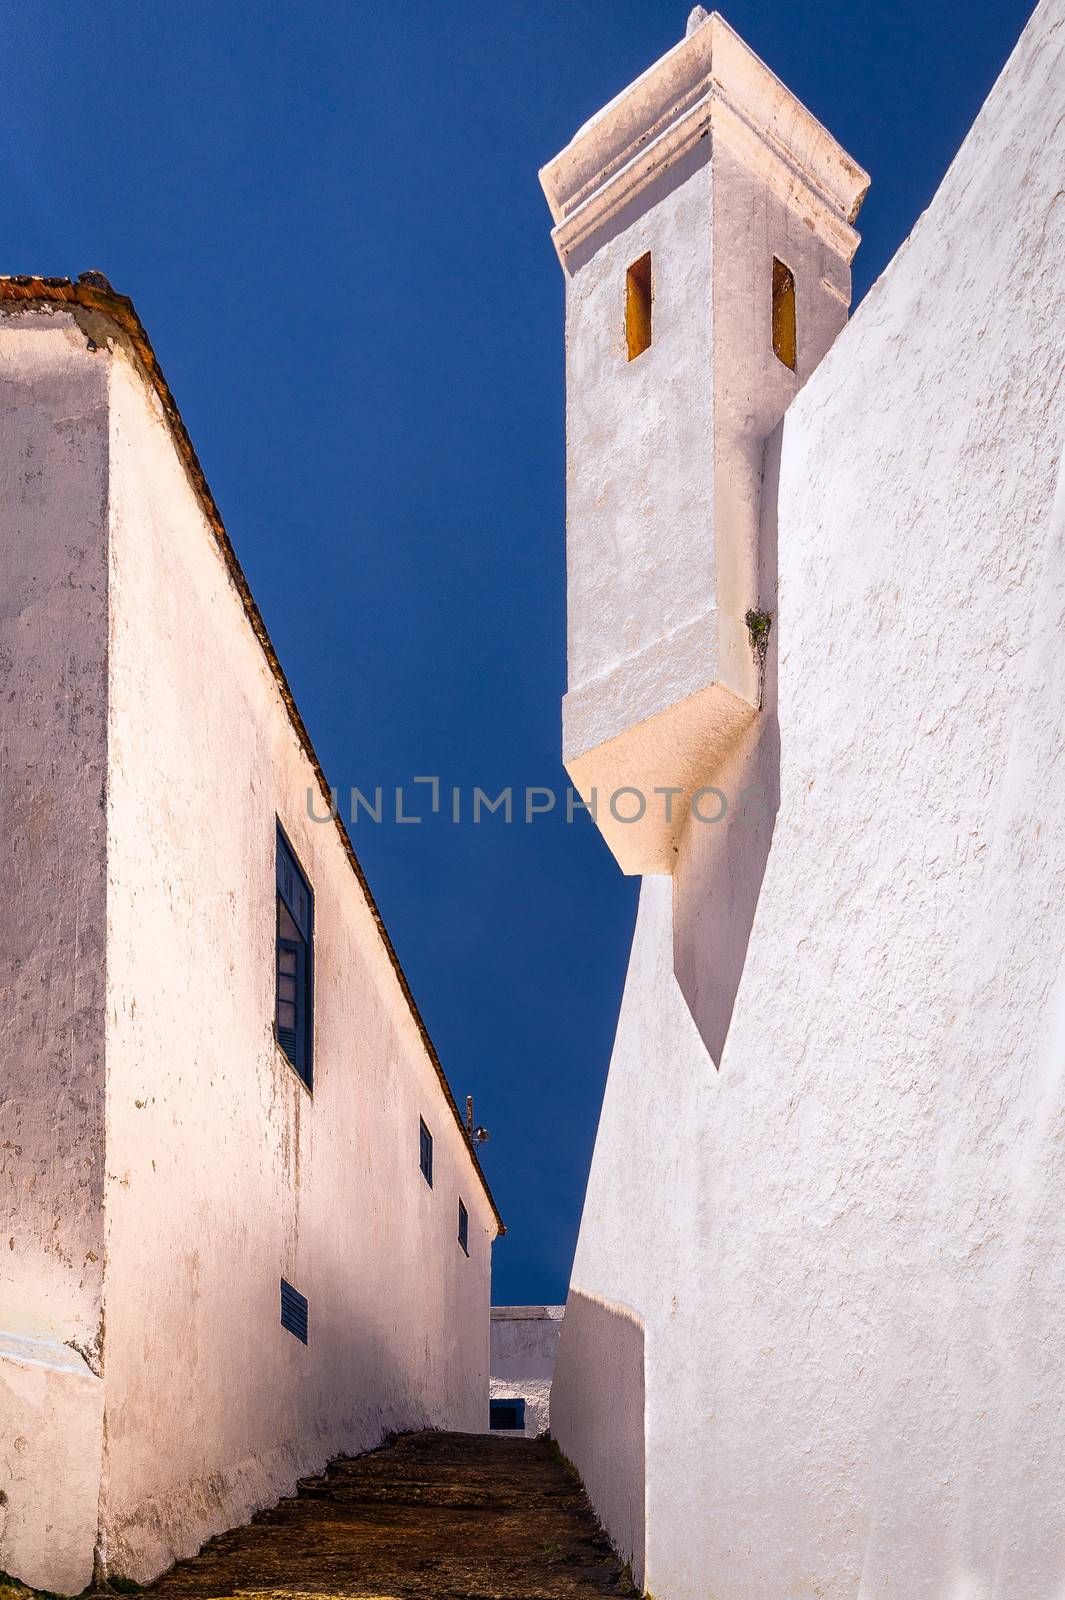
x,y
425,1152
508,1414
293,1010
638,306
464,1228
784,331
293,1311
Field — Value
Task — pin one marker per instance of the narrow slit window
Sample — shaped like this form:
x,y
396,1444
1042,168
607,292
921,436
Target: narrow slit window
x,y
638,306
464,1228
784,334
425,1152
294,961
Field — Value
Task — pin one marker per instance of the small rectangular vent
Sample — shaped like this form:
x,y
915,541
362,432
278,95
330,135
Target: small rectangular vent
x,y
506,1414
293,1311
464,1228
425,1152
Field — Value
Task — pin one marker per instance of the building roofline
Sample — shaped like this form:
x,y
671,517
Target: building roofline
x,y
119,309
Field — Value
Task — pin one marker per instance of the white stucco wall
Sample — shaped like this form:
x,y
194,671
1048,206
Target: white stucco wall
x,y
847,1247
223,1172
53,676
598,1416
51,1407
642,631
524,1344
712,171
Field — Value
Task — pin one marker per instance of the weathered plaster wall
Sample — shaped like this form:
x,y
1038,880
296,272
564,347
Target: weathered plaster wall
x,y
524,1344
224,1172
53,739
752,387
51,1415
53,673
847,1247
710,169
641,630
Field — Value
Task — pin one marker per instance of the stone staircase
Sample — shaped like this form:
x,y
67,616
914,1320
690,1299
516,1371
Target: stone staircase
x,y
430,1516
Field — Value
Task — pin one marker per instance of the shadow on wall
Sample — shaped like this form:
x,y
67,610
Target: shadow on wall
x,y
601,1425
718,878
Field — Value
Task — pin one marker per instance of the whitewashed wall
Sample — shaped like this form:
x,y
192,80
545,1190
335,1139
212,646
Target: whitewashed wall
x,y
223,1172
847,1248
709,172
524,1345
53,720
634,466
53,690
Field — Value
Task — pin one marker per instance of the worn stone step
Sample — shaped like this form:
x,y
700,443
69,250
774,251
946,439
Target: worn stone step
x,y
429,1516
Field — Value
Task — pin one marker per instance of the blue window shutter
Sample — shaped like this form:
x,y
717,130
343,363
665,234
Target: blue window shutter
x,y
506,1414
293,887
294,1002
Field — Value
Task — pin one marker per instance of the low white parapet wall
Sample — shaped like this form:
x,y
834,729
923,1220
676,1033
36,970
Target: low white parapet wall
x,y
51,1437
524,1347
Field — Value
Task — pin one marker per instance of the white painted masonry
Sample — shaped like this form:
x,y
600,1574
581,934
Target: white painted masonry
x,y
53,739
846,1248
709,164
524,1347
163,1165
52,1409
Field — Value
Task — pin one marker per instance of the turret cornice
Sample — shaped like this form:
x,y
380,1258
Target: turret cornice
x,y
711,83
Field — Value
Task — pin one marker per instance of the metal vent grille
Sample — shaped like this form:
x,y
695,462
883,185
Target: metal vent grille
x,y
293,1311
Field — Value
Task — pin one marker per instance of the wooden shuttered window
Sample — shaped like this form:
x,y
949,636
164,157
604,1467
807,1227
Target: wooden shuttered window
x,y
293,1013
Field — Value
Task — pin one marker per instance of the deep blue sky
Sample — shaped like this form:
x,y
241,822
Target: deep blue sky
x,y
329,219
